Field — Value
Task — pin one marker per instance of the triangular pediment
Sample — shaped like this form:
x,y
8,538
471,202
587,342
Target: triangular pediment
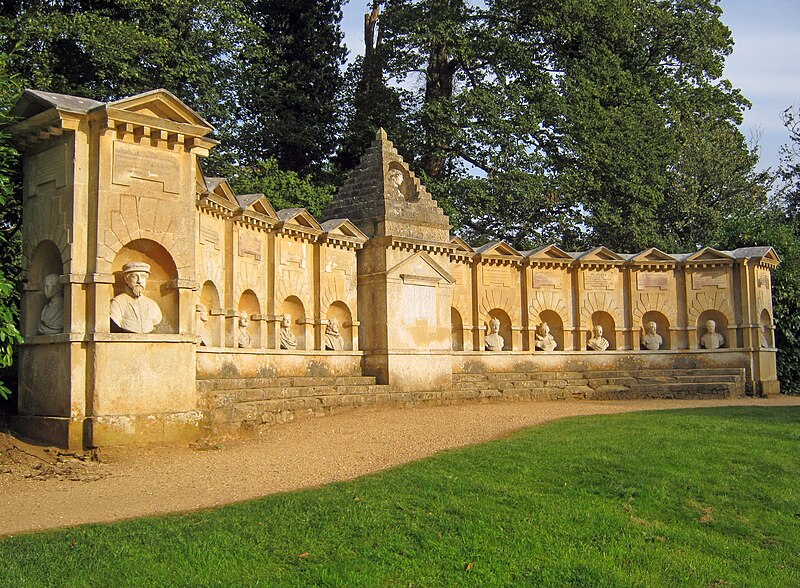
x,y
708,254
652,255
221,188
300,217
422,268
461,245
161,104
601,254
500,248
772,256
549,253
256,203
343,227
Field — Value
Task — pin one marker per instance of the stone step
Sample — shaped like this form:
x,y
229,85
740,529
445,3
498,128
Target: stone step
x,y
668,375
219,398
213,384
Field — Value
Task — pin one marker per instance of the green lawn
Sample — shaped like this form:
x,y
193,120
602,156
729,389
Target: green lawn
x,y
705,497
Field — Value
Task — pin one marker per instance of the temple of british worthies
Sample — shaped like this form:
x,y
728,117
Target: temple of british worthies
x,y
160,306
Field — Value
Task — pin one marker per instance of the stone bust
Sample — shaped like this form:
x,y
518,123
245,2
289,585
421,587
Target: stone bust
x,y
288,340
763,339
52,319
202,326
243,338
493,341
333,338
598,342
544,340
711,339
132,311
652,340
396,181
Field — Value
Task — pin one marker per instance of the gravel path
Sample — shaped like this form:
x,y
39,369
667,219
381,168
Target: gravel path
x,y
43,488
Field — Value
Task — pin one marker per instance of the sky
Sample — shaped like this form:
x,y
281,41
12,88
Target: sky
x,y
765,63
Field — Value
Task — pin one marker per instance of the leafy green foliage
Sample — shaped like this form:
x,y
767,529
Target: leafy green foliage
x,y
9,227
668,498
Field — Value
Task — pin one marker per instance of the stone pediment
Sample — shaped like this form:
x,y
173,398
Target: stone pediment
x,y
653,257
221,189
602,255
257,203
461,245
299,221
498,248
420,269
549,254
708,255
343,227
161,104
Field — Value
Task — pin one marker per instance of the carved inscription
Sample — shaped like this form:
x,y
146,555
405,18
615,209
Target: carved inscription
x,y
48,166
209,237
249,245
763,280
293,255
495,276
418,304
546,280
599,280
710,279
652,281
151,165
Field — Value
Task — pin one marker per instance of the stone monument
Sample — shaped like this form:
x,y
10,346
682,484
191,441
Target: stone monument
x,y
544,340
132,311
333,338
651,340
288,339
243,338
711,339
52,320
598,342
493,341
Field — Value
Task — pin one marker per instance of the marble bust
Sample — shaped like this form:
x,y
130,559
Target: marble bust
x,y
493,341
243,338
52,319
333,338
544,340
598,342
651,340
132,311
288,340
763,340
202,326
711,339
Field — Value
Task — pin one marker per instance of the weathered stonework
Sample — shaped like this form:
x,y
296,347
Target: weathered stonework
x,y
273,315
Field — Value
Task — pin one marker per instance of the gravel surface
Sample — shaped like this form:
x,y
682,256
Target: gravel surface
x,y
43,488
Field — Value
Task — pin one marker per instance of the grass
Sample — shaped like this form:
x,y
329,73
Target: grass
x,y
706,497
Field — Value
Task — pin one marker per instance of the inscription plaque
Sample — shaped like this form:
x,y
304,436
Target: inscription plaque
x,y
157,166
599,280
652,281
710,279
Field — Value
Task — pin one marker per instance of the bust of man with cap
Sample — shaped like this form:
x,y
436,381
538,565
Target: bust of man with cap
x,y
132,311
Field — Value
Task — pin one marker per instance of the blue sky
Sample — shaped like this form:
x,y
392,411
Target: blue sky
x,y
765,63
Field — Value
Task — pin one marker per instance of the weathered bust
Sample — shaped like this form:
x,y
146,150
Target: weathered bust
x,y
762,337
132,311
598,342
288,340
243,338
333,338
52,320
711,339
493,341
396,181
652,340
202,326
544,340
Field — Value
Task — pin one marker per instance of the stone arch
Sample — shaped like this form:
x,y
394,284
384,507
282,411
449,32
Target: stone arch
x,y
498,299
505,326
654,301
765,330
553,320
601,302
292,285
708,301
249,303
294,307
45,260
662,326
605,320
210,299
721,322
456,330
341,312
161,282
548,301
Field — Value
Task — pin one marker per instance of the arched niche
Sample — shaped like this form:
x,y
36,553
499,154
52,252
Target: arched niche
x,y
209,298
46,260
505,326
249,304
294,308
456,330
662,327
765,332
160,282
553,320
341,312
729,339
605,320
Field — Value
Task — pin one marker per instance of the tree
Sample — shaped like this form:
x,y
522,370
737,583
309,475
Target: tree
x,y
289,84
537,117
9,227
